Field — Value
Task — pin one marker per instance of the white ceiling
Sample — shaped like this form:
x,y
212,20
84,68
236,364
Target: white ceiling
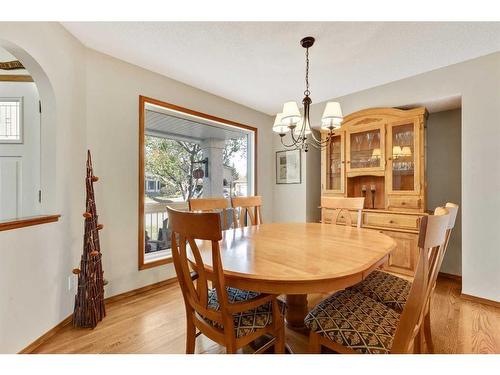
x,y
261,64
165,123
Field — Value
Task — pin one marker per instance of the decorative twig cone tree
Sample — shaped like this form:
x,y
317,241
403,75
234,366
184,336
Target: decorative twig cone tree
x,y
89,299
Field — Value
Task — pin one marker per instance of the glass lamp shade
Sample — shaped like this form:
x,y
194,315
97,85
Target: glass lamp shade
x,y
332,116
376,154
278,126
397,152
291,114
406,151
298,128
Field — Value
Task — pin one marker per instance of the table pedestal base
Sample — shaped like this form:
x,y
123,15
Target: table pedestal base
x,y
296,311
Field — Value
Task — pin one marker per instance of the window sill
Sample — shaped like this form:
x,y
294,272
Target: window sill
x,y
27,221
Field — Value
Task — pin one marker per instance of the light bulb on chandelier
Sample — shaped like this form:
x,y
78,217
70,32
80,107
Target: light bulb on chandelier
x,y
298,125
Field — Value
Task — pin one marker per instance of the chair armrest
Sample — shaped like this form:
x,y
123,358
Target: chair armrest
x,y
250,304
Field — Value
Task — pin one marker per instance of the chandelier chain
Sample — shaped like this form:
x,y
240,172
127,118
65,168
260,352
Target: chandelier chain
x,y
307,92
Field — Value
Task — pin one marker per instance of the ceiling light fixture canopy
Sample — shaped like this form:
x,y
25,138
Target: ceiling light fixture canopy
x,y
299,124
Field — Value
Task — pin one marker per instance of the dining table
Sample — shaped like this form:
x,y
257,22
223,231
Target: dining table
x,y
297,259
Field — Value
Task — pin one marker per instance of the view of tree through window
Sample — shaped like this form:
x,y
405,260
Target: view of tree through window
x,y
172,163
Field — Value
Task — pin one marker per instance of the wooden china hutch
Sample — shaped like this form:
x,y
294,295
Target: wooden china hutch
x,y
379,153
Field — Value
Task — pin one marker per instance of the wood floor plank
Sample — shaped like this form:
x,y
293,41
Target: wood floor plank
x,y
154,322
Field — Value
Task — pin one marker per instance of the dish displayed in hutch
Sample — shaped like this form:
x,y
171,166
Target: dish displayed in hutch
x,y
379,154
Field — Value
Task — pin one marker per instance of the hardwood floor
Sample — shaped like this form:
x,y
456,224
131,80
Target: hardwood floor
x,y
153,322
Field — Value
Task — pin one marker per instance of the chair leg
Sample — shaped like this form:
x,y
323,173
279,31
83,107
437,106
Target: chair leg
x,y
190,336
314,344
417,343
230,348
279,345
427,331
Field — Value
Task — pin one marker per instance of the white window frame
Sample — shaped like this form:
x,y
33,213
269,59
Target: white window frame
x,y
21,120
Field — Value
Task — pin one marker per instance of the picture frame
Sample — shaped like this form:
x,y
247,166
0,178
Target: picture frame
x,y
288,167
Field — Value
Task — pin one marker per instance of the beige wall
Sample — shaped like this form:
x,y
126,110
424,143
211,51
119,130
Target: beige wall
x,y
478,82
289,199
37,261
90,100
298,202
113,89
444,176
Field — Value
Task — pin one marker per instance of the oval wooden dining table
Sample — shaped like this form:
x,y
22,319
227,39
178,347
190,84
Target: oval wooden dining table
x,y
297,259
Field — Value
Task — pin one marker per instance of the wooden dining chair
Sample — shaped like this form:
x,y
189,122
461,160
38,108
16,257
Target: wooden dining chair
x,y
393,291
229,316
351,322
213,205
247,206
341,208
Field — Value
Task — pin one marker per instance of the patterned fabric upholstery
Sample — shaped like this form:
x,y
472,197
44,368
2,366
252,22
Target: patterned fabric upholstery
x,y
385,288
248,321
355,321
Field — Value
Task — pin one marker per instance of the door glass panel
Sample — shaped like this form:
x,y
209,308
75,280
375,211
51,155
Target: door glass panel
x,y
334,171
403,141
365,149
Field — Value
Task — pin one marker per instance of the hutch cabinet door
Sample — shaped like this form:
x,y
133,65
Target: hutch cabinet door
x,y
365,149
403,258
404,158
333,165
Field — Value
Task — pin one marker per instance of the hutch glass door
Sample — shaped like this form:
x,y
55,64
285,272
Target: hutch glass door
x,y
335,165
366,150
403,158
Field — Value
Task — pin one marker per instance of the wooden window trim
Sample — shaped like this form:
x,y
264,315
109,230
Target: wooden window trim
x,y
29,221
142,102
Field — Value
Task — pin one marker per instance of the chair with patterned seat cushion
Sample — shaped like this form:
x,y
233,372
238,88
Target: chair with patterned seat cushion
x,y
233,318
385,288
393,291
354,321
245,322
351,322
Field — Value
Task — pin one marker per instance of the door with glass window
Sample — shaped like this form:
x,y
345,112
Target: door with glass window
x,y
402,164
366,149
333,159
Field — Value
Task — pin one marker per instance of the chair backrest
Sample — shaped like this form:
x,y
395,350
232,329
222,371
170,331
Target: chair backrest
x,y
432,238
247,205
211,205
341,205
453,211
186,227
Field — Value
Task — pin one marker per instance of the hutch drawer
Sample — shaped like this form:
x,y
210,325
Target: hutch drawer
x,y
391,220
404,202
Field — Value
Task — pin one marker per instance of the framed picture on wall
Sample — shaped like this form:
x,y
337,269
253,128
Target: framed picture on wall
x,y
288,167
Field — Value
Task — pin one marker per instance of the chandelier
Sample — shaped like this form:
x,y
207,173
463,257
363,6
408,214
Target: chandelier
x,y
299,125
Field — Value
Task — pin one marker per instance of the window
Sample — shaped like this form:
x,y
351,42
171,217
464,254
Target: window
x,y
183,155
11,120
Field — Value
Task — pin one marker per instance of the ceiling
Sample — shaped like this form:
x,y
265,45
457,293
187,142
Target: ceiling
x,y
261,64
163,123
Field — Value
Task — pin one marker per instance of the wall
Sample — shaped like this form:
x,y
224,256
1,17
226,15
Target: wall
x,y
113,89
290,200
297,202
478,82
36,261
444,176
90,100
